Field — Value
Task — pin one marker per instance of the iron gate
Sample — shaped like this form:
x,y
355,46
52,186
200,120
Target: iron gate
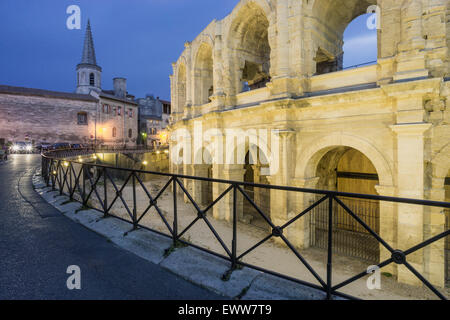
x,y
349,237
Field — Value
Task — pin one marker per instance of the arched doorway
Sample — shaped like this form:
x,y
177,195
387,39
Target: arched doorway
x,y
254,162
249,39
447,226
333,20
346,169
203,74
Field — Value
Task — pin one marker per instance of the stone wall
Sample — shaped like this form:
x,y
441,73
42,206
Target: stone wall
x,y
45,119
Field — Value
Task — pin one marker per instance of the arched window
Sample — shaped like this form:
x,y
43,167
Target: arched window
x,y
203,73
347,36
92,79
249,39
130,133
114,132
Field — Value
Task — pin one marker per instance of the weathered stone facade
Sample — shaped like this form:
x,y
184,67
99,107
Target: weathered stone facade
x,y
43,116
393,115
89,116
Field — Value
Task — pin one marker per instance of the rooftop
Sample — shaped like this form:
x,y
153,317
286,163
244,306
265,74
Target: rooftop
x,y
45,93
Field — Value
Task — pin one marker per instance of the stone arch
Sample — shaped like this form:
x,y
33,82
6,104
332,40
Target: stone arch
x,y
181,86
441,167
311,156
203,71
249,41
328,21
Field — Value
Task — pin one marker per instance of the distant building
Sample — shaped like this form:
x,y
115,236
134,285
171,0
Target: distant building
x,y
91,115
154,117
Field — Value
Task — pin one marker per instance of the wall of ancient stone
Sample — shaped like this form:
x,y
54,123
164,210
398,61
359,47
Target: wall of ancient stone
x,y
45,119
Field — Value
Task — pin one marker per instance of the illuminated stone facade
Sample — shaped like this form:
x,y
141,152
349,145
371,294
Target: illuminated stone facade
x,y
394,115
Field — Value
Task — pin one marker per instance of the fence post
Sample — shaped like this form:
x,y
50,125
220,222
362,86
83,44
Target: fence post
x,y
83,168
330,247
175,213
134,202
234,241
105,187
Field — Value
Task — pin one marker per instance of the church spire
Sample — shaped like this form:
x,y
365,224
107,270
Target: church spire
x,y
88,49
89,74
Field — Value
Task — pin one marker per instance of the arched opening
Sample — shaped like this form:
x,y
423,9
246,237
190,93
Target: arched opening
x,y
92,80
181,87
254,162
249,39
346,169
203,190
447,226
346,34
114,132
203,73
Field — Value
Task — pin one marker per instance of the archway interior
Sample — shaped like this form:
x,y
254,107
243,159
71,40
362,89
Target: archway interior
x,y
203,73
330,20
346,169
447,225
181,87
255,160
250,40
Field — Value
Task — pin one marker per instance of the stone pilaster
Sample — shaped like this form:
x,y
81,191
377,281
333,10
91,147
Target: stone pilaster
x,y
410,177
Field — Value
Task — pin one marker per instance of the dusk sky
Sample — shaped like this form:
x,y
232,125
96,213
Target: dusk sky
x,y
135,39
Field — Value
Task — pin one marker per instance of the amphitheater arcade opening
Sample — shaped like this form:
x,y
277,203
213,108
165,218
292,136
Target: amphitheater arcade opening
x,y
341,28
250,41
348,170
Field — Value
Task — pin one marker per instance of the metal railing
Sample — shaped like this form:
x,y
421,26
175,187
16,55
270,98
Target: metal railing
x,y
77,179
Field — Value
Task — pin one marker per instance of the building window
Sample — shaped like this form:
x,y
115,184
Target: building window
x,y
131,113
92,79
82,118
119,111
114,132
130,133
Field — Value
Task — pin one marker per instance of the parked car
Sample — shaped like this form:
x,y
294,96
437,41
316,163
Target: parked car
x,y
21,147
43,146
61,146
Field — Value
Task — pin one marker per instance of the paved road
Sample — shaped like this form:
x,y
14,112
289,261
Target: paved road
x,y
37,244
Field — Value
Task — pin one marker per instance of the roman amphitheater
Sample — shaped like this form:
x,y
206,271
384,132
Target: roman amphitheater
x,y
379,129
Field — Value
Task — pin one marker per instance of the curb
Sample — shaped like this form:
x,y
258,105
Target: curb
x,y
191,264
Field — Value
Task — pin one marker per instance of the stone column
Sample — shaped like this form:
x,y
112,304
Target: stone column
x,y
410,177
411,56
388,226
223,210
434,255
278,198
282,84
198,186
189,81
299,233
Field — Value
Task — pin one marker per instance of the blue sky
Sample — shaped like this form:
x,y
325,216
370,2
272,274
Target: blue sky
x,y
136,39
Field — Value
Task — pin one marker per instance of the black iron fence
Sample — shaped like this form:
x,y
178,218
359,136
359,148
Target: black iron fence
x,y
80,181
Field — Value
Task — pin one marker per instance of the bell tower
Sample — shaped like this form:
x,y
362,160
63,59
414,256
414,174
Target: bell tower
x,y
88,72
